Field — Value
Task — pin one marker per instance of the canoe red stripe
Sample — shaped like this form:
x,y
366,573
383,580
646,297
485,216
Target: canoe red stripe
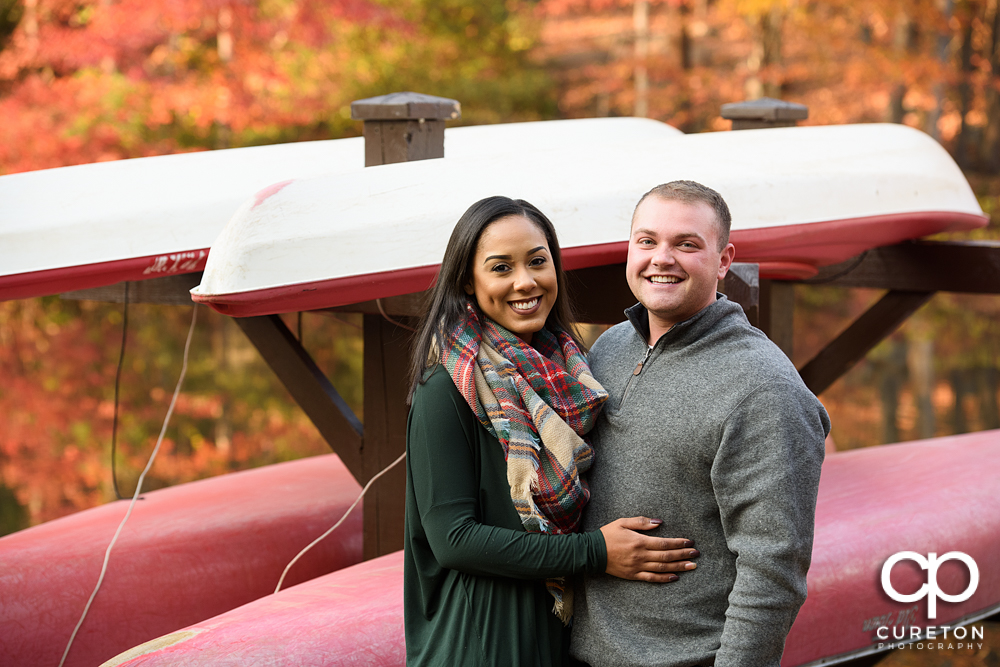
x,y
69,278
788,252
791,251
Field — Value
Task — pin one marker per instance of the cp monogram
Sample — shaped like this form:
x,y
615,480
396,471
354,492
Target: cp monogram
x,y
930,589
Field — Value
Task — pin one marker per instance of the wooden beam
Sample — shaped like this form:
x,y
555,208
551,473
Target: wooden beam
x,y
858,339
920,266
172,290
405,305
386,362
742,285
310,388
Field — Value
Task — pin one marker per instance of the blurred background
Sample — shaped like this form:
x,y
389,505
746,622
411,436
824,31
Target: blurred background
x,y
92,80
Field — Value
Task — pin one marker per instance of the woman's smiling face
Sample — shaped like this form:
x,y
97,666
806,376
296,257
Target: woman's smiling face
x,y
513,277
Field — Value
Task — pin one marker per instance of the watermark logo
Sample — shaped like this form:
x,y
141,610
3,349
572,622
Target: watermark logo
x,y
930,590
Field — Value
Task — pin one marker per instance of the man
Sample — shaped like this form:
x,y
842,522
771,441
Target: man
x,y
709,428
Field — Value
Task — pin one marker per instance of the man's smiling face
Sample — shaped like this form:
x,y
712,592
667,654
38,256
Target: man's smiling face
x,y
674,260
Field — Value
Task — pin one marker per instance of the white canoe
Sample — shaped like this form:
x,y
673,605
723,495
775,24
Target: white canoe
x,y
98,224
801,197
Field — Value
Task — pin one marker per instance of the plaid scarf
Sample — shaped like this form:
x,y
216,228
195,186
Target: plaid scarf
x,y
538,401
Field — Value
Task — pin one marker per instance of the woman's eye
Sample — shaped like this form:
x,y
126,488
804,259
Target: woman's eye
x,y
499,268
537,261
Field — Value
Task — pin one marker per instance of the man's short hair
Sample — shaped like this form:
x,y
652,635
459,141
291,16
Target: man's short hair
x,y
690,192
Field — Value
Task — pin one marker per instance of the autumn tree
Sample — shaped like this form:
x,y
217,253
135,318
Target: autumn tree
x,y
92,80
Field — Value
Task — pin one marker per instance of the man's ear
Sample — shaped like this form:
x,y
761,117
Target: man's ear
x,y
728,255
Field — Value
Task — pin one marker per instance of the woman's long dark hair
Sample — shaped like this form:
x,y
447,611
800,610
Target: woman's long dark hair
x,y
448,297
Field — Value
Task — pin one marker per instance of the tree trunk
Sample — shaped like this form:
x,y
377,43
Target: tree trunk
x,y
943,43
223,369
765,54
30,19
920,362
889,393
893,374
640,22
962,153
990,157
684,38
987,383
904,45
960,386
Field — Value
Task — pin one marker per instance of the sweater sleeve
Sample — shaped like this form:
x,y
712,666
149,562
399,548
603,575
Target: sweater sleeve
x,y
443,472
766,476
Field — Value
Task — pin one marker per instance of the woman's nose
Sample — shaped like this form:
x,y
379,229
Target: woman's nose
x,y
523,280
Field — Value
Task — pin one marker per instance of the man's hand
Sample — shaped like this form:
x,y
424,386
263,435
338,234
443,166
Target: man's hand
x,y
632,555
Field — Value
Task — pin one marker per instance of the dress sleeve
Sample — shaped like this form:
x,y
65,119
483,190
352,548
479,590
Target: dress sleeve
x,y
441,438
766,476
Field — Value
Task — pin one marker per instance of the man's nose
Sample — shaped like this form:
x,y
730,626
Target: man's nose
x,y
664,256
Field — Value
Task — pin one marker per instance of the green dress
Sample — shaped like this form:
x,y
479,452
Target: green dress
x,y
474,583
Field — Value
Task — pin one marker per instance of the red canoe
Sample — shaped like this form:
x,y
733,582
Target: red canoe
x,y
186,554
934,495
349,618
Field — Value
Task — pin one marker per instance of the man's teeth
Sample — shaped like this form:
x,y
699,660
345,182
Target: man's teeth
x,y
524,305
664,279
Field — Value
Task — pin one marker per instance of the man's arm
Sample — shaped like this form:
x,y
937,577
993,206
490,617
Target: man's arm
x,y
766,475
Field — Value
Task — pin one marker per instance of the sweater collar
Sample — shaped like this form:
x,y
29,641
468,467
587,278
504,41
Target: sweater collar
x,y
690,329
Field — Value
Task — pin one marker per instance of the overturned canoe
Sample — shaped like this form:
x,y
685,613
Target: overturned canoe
x,y
351,618
98,224
928,496
801,197
187,553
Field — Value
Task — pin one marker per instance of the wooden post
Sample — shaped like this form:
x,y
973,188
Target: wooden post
x,y
777,313
399,127
777,299
403,127
764,113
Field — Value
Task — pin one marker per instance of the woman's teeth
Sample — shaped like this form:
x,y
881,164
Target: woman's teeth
x,y
524,305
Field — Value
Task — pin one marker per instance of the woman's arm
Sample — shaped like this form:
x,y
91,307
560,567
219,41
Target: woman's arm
x,y
443,475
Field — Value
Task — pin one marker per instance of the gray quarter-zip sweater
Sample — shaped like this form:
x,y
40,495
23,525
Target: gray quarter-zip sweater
x,y
715,434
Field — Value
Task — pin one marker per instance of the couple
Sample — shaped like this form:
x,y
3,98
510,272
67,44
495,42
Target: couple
x,y
702,429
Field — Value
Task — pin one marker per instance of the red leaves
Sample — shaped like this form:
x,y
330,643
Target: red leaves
x,y
97,81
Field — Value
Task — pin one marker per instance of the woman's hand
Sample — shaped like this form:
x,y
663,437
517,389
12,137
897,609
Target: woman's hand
x,y
632,555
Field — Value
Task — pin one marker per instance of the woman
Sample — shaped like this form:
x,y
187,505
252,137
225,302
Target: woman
x,y
501,398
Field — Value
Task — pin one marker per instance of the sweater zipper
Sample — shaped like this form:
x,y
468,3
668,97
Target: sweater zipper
x,y
635,373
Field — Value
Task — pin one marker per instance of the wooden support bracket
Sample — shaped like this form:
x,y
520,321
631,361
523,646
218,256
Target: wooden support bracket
x,y
865,333
310,388
920,266
742,285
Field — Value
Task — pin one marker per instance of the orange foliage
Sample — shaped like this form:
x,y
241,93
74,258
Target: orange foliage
x,y
99,81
